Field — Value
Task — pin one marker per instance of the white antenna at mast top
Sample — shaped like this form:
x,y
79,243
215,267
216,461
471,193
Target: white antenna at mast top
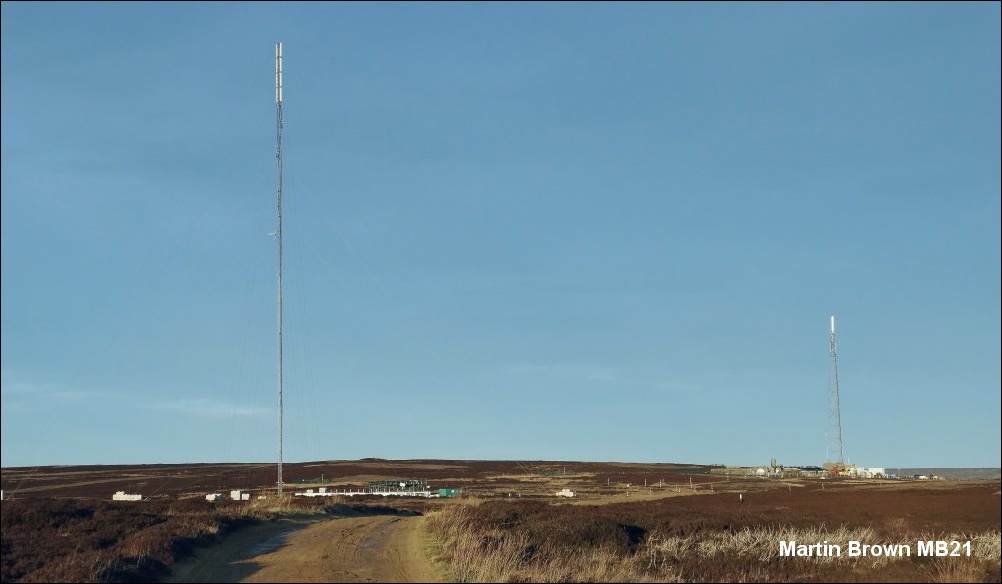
x,y
833,324
278,72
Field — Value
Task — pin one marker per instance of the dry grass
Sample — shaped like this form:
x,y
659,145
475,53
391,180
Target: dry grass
x,y
985,547
760,543
476,551
475,555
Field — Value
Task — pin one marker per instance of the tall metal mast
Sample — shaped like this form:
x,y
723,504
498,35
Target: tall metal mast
x,y
278,238
834,415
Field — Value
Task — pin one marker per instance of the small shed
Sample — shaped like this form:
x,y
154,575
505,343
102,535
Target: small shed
x,y
123,496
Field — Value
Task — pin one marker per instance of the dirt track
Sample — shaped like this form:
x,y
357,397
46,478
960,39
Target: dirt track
x,y
381,548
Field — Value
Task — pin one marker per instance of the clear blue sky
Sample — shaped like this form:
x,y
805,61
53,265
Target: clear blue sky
x,y
595,231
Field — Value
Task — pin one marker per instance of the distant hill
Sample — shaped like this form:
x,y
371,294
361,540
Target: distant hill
x,y
950,473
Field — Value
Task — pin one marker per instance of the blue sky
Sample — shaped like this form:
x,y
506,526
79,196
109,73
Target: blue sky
x,y
595,231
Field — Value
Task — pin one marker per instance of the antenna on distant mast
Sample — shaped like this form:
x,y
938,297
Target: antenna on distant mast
x,y
278,238
834,415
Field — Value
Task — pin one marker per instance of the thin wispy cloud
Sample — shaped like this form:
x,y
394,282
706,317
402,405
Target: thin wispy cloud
x,y
678,388
25,392
51,391
210,408
20,388
595,373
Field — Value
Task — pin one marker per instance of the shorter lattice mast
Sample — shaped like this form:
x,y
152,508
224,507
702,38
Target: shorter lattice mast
x,y
834,414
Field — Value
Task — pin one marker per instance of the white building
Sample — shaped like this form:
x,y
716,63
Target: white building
x,y
123,496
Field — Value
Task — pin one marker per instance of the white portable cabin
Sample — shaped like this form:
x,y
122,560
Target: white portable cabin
x,y
123,496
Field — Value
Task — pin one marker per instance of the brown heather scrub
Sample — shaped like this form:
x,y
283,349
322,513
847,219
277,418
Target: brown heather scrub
x,y
70,540
684,524
715,539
